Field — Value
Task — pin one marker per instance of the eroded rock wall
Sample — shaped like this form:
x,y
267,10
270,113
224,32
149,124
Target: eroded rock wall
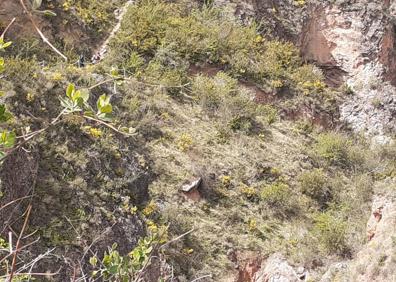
x,y
355,41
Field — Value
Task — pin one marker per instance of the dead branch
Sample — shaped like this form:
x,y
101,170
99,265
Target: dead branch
x,y
20,249
7,28
45,40
138,82
32,263
18,242
202,277
33,274
108,125
176,239
14,201
10,241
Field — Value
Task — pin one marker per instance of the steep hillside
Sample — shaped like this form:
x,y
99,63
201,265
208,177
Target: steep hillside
x,y
206,141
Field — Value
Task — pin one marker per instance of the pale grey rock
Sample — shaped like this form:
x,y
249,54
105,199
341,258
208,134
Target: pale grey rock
x,y
276,269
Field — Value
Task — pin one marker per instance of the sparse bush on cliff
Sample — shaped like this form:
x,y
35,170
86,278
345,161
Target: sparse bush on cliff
x,y
331,231
279,196
95,13
314,183
337,149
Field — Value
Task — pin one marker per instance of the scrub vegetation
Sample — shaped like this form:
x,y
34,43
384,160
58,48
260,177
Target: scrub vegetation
x,y
100,153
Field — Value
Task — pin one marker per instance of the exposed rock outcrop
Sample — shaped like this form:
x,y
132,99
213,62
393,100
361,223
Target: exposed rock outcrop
x,y
277,269
377,260
354,40
282,19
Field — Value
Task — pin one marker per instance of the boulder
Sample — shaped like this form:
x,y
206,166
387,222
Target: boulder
x,y
277,269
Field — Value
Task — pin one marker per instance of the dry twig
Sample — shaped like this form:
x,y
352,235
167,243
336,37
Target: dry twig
x,y
7,28
45,40
18,242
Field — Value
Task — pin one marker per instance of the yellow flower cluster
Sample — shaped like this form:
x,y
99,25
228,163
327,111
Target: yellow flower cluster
x,y
248,192
225,180
150,208
185,142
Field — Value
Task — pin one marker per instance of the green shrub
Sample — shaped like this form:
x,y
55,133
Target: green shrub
x,y
239,113
331,232
332,147
241,123
196,37
135,62
220,96
170,78
206,36
269,113
272,61
336,149
315,184
14,67
308,79
279,197
95,13
144,26
211,92
280,57
275,194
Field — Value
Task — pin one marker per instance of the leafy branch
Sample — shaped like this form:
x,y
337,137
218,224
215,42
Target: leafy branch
x,y
74,102
114,267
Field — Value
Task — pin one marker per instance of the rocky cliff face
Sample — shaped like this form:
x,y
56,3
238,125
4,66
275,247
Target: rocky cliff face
x,y
376,260
352,41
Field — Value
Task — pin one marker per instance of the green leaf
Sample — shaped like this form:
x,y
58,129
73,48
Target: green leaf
x,y
106,260
113,269
104,106
70,90
49,13
2,68
7,139
136,255
114,72
7,44
85,95
4,115
149,249
106,109
76,95
89,113
36,4
2,109
103,101
3,44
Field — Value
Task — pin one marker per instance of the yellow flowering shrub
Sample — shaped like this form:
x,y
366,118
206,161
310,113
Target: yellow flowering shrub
x,y
150,208
185,142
